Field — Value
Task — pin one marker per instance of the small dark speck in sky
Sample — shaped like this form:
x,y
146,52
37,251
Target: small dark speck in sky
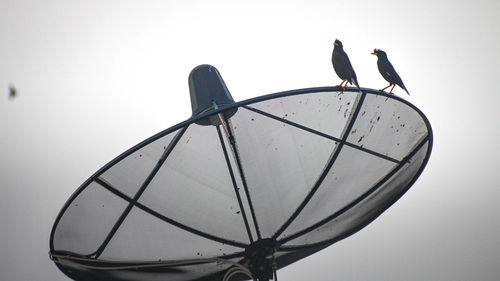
x,y
12,92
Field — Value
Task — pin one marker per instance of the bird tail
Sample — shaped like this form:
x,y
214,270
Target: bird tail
x,y
355,82
404,88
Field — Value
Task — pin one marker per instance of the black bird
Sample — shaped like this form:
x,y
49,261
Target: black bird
x,y
342,65
388,72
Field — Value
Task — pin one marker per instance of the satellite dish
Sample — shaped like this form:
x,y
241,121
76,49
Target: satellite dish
x,y
242,189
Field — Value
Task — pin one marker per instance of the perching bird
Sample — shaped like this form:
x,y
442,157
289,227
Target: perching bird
x,y
388,72
342,65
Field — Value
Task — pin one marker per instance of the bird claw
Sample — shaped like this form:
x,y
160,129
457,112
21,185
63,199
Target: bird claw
x,y
342,88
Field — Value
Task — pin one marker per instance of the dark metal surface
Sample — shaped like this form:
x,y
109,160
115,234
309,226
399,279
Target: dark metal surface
x,y
233,181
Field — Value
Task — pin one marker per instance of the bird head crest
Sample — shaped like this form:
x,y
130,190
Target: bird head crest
x,y
378,52
337,43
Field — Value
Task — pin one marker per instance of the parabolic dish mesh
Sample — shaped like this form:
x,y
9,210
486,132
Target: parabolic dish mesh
x,y
305,168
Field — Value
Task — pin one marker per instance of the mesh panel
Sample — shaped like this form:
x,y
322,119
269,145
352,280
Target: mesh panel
x,y
367,209
88,220
351,175
194,186
280,163
387,126
325,112
136,166
152,241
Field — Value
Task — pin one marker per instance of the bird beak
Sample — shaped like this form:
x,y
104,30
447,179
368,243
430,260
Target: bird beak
x,y
374,53
336,44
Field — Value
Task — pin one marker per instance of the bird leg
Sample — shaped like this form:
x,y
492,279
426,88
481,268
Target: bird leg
x,y
385,88
343,86
390,92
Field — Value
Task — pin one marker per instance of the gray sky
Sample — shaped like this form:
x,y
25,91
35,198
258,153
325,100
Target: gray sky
x,y
96,77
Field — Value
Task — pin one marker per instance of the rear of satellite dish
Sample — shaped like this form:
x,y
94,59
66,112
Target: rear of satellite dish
x,y
242,189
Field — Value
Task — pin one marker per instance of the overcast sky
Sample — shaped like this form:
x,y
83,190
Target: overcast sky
x,y
96,77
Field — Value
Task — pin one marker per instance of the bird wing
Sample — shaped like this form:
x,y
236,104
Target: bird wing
x,y
388,72
342,66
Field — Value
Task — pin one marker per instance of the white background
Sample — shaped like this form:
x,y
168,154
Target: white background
x,y
96,77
